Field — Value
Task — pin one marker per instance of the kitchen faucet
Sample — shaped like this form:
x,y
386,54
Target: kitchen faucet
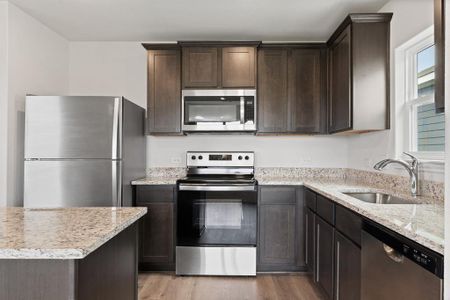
x,y
412,168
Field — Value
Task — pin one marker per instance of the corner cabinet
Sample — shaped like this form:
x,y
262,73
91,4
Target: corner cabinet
x,y
291,89
219,64
163,89
281,229
333,247
157,228
358,87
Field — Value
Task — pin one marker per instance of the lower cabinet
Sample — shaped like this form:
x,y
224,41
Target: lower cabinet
x,y
333,252
324,258
281,229
348,268
157,228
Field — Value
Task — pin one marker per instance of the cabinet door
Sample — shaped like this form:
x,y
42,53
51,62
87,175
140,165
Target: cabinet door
x,y
277,234
324,258
238,67
340,83
272,90
347,269
200,67
157,234
310,240
164,92
305,75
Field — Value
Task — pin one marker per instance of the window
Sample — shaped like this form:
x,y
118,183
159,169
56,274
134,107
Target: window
x,y
420,130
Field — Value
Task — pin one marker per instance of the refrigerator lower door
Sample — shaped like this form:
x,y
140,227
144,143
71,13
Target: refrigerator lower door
x,y
72,183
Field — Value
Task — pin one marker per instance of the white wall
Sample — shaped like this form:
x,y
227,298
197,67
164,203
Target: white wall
x,y
109,68
410,17
3,99
37,64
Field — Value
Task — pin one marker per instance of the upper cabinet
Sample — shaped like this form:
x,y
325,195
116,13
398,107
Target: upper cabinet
x,y
358,87
163,89
439,41
291,89
219,65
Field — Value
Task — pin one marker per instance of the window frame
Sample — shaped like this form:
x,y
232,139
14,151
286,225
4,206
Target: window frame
x,y
407,99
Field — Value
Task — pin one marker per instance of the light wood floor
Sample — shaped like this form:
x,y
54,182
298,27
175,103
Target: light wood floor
x,y
278,287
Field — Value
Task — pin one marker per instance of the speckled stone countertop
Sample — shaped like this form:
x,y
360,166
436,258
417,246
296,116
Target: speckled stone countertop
x,y
61,233
422,222
155,180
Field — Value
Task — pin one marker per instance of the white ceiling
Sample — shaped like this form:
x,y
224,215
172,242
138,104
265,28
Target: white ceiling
x,y
171,20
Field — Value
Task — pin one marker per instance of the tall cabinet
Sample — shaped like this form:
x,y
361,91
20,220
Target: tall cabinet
x,y
163,89
358,87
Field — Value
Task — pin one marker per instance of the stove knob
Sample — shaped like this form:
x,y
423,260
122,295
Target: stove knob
x,y
193,157
240,157
246,157
200,157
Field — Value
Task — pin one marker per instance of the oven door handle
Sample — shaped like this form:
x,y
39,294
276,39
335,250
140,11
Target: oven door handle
x,y
215,188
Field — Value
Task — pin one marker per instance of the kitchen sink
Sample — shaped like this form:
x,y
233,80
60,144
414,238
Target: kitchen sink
x,y
379,198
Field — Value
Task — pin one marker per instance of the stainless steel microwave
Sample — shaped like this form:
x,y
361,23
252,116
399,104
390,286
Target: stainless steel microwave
x,y
218,110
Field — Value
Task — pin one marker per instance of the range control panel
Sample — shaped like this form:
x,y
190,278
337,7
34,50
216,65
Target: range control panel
x,y
220,159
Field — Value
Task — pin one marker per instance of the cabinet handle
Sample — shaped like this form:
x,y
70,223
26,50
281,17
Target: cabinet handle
x,y
306,240
338,254
318,253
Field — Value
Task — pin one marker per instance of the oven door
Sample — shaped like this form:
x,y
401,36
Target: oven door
x,y
218,110
216,215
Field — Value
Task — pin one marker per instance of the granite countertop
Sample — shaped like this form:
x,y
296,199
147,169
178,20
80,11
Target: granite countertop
x,y
61,233
422,222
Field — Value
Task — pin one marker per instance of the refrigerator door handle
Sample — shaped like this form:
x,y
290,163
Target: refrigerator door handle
x,y
116,177
116,129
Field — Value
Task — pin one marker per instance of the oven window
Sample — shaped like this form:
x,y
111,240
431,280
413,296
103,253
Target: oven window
x,y
216,218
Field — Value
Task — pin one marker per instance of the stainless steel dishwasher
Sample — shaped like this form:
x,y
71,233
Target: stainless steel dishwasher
x,y
393,267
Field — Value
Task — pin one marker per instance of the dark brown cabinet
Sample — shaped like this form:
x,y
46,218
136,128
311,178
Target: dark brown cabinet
x,y
164,90
272,90
439,41
238,67
358,86
347,268
291,87
281,229
157,228
340,86
200,67
324,257
222,65
333,247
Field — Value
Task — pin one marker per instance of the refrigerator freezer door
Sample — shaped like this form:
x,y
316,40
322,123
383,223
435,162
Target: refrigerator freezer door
x,y
72,183
73,127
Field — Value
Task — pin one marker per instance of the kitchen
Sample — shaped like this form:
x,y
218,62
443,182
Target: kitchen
x,y
312,103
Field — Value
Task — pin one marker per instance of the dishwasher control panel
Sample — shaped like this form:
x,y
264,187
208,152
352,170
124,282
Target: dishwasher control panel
x,y
419,257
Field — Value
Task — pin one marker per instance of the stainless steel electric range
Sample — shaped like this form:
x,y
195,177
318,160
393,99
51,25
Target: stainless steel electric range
x,y
217,215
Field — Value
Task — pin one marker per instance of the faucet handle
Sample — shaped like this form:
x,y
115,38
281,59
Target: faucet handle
x,y
415,161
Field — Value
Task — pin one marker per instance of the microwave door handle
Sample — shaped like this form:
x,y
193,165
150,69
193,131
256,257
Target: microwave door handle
x,y
242,110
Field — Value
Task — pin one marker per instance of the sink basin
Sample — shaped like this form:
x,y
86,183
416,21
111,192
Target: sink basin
x,y
379,198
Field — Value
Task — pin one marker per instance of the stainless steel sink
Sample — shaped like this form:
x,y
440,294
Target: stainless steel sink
x,y
379,198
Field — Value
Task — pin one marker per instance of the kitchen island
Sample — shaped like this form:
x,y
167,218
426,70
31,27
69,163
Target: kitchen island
x,y
69,253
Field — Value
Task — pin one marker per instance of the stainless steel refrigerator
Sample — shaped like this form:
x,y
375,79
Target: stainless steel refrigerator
x,y
82,151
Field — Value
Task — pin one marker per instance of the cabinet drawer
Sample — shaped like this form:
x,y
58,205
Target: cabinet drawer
x,y
325,209
155,193
310,199
277,195
349,224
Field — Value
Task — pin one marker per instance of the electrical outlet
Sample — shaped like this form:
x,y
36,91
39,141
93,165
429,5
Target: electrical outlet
x,y
175,160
